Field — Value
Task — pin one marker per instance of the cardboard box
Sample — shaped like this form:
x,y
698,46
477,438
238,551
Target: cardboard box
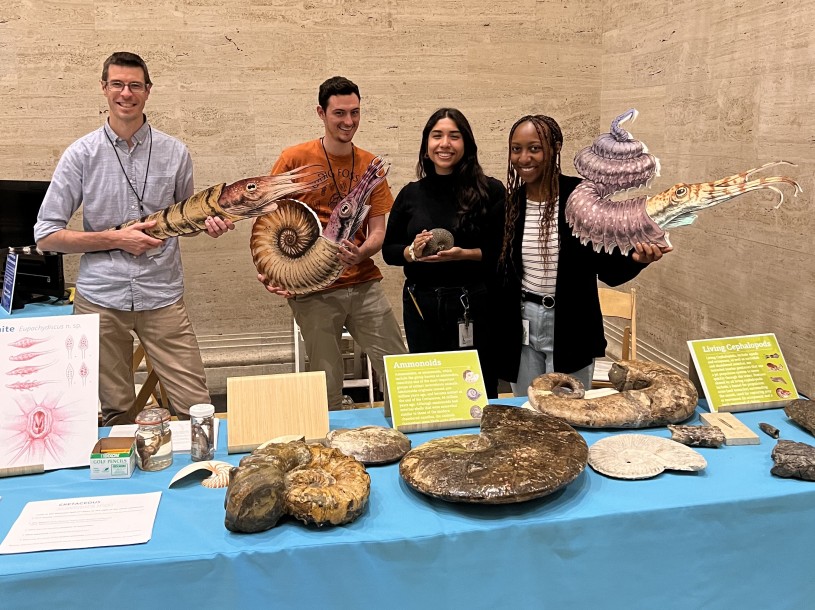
x,y
113,458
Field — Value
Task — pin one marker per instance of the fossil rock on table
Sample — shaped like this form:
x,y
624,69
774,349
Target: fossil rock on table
x,y
697,436
519,455
641,456
802,412
312,483
794,460
370,444
649,395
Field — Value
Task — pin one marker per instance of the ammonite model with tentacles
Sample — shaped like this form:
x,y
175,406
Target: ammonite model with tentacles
x,y
616,162
292,251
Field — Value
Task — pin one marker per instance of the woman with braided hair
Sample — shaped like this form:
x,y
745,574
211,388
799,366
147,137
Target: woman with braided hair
x,y
558,326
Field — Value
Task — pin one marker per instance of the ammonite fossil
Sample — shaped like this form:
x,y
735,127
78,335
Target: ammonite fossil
x,y
243,199
312,483
649,395
640,456
370,444
616,162
442,240
519,455
802,412
292,251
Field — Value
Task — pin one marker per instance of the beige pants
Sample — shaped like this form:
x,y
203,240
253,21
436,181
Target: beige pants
x,y
169,340
365,311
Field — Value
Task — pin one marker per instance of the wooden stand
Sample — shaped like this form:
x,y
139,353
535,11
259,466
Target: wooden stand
x,y
264,407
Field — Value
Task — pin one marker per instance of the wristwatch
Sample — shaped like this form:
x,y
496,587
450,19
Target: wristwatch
x,y
411,252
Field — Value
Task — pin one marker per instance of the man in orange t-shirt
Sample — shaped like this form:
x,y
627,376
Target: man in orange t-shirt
x,y
355,301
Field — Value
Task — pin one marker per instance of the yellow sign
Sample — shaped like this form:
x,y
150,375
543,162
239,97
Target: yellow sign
x,y
742,373
435,391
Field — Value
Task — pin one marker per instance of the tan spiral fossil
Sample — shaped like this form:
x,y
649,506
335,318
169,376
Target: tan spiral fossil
x,y
288,246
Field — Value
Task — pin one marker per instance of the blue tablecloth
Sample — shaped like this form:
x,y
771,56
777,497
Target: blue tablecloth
x,y
39,310
733,536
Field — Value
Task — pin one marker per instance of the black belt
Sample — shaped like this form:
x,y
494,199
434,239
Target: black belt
x,y
547,301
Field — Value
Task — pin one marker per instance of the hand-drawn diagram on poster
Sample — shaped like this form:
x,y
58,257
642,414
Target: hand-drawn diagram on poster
x,y
49,389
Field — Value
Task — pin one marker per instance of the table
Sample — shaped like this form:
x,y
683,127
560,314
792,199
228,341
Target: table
x,y
39,310
731,536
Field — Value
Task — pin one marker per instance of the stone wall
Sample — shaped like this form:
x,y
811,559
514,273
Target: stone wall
x,y
721,87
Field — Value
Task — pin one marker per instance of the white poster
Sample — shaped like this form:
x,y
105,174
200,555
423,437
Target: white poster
x,y
49,389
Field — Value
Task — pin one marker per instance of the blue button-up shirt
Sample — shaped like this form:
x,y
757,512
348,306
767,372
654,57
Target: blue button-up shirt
x,y
89,174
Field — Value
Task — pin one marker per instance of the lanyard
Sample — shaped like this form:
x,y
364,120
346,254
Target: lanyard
x,y
331,170
146,171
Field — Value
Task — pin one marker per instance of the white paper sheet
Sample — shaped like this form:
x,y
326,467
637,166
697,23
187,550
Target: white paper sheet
x,y
82,523
182,437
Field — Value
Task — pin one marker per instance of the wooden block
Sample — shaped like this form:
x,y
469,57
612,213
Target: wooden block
x,y
264,407
735,432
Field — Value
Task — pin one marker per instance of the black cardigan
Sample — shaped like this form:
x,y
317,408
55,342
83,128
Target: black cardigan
x,y
579,335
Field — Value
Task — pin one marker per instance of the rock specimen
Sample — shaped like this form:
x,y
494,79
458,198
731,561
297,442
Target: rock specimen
x,y
794,460
312,483
649,395
519,455
769,430
370,444
442,240
697,436
802,412
640,456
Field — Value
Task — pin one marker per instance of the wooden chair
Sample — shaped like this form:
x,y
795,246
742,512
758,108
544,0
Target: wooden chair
x,y
623,305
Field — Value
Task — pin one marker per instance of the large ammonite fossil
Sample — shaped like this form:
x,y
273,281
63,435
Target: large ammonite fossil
x,y
291,250
519,455
442,240
245,198
649,395
370,444
616,162
312,483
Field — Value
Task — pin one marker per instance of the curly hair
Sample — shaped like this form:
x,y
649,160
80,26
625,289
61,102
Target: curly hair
x,y
551,139
471,186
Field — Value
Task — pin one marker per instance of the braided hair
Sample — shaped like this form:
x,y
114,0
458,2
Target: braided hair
x,y
551,139
471,186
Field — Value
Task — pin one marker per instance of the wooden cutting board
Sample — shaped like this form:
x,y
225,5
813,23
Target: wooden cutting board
x,y
263,407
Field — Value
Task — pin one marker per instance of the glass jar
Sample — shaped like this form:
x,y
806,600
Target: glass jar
x,y
154,440
202,432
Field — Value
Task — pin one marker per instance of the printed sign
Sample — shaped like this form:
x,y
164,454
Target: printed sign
x,y
742,373
435,391
9,279
49,394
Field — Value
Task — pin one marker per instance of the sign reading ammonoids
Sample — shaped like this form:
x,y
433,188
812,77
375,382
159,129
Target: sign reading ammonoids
x,y
742,373
436,390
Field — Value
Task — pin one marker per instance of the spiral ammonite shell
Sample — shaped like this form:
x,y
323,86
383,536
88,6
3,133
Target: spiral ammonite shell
x,y
613,163
289,249
442,240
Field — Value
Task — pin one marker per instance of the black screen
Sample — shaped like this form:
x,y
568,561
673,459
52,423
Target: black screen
x,y
19,204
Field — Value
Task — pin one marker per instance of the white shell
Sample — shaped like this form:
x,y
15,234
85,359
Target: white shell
x,y
641,456
218,478
286,438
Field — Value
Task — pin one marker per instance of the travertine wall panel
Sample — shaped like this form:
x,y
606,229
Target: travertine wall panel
x,y
237,81
721,88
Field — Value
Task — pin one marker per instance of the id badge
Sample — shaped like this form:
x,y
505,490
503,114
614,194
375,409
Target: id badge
x,y
465,334
525,332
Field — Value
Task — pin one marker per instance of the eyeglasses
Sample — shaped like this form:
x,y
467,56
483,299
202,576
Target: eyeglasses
x,y
117,85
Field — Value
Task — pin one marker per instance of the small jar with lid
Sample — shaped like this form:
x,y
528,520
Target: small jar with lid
x,y
202,432
154,440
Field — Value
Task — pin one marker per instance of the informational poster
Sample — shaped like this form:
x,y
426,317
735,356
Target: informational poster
x,y
49,389
742,373
435,391
9,279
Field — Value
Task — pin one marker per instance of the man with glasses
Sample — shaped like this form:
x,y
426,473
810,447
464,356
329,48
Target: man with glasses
x,y
119,172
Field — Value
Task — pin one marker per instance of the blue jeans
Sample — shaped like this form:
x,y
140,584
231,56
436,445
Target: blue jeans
x,y
536,358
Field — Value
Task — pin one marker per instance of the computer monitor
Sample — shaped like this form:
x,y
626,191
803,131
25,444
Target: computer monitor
x,y
38,274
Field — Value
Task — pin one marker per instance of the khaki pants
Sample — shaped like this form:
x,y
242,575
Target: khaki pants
x,y
169,341
365,311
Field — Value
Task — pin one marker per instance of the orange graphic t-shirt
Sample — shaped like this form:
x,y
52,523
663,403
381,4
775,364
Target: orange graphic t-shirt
x,y
325,198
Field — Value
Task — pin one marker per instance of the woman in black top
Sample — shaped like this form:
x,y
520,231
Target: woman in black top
x,y
445,299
